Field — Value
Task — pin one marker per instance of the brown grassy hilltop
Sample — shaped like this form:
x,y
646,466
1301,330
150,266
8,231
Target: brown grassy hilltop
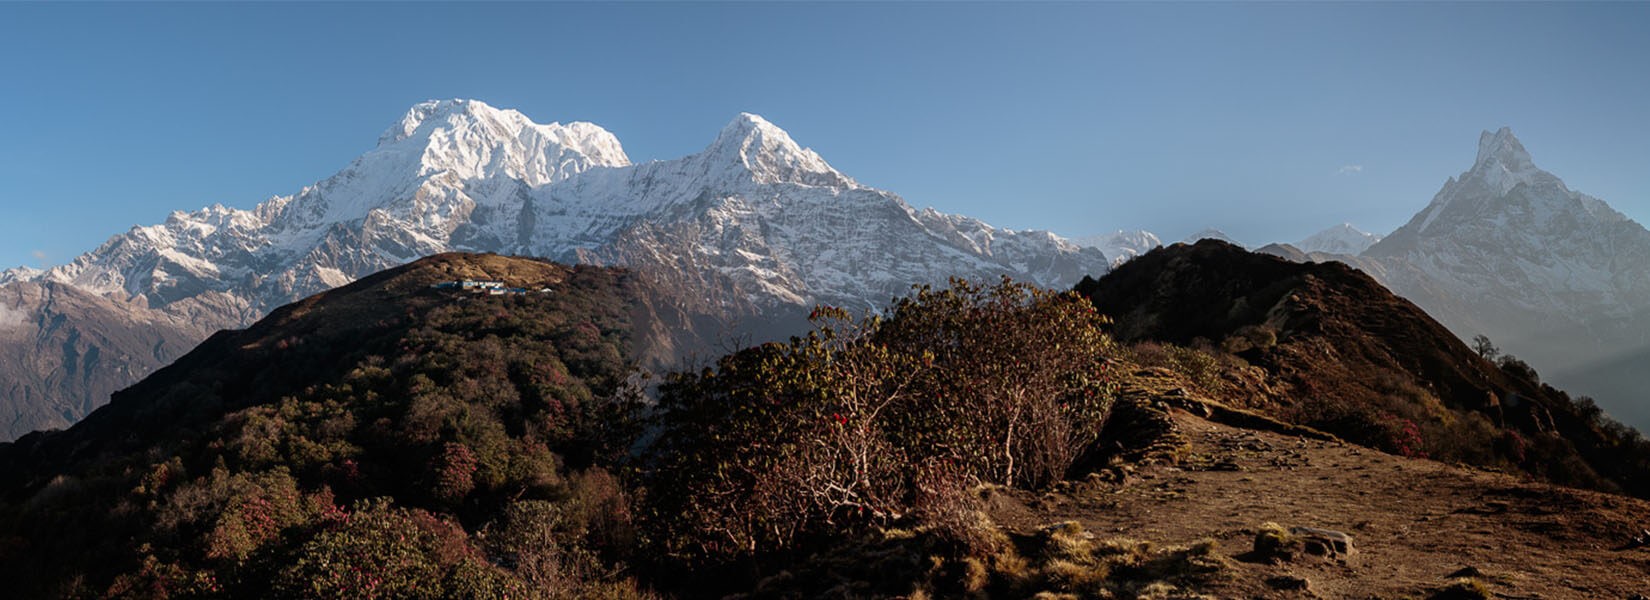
x,y
1418,526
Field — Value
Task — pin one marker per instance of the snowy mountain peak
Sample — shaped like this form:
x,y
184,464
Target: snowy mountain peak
x,y
446,158
1504,147
435,113
1340,239
752,144
1483,201
1503,163
1211,234
449,131
746,124
1122,245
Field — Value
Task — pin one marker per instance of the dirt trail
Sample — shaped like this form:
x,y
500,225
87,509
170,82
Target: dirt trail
x,y
1414,522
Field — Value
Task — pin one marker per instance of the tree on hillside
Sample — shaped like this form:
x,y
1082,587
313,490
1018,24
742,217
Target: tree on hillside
x,y
1485,348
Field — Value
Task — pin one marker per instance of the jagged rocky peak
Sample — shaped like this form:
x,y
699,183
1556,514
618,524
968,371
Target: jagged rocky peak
x,y
1555,276
447,158
1502,193
1503,164
751,144
1504,148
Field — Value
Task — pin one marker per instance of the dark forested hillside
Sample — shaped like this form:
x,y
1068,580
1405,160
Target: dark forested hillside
x,y
354,444
393,439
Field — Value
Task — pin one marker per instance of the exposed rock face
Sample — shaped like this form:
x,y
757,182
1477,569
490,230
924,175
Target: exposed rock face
x,y
63,351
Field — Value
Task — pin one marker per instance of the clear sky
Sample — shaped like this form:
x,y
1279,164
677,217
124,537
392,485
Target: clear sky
x,y
1269,121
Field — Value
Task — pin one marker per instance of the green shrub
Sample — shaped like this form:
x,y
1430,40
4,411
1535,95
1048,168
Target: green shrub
x,y
380,551
1203,369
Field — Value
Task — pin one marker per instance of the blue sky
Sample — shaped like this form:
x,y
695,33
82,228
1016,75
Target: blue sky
x,y
1079,118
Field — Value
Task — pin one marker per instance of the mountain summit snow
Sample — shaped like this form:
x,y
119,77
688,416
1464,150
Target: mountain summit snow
x,y
769,155
1340,239
1503,161
755,226
455,133
1122,245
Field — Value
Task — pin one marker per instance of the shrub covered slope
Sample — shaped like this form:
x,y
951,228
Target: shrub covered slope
x,y
392,440
384,439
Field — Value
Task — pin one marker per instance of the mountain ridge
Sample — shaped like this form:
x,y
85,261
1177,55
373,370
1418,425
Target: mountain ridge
x,y
1334,343
755,221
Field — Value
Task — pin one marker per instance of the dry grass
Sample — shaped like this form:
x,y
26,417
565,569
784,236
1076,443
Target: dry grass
x,y
1061,561
1070,562
1274,543
1201,368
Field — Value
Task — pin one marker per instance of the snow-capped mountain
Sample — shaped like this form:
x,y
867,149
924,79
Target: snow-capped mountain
x,y
787,228
463,175
1340,239
1123,244
1211,234
754,224
1508,235
447,172
1554,276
